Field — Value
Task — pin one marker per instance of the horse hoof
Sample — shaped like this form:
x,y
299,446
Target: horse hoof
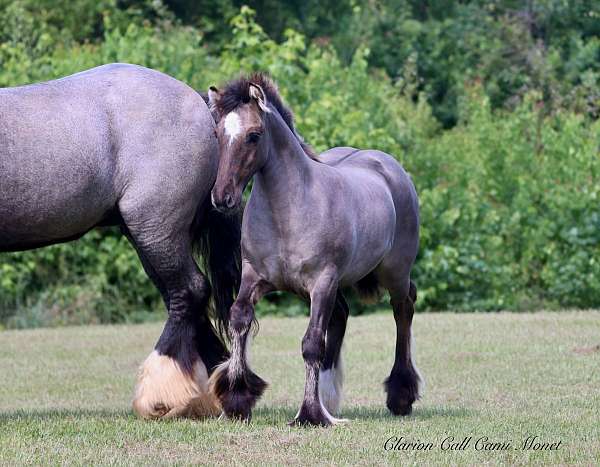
x,y
165,390
241,417
315,417
400,408
400,403
237,396
309,421
402,389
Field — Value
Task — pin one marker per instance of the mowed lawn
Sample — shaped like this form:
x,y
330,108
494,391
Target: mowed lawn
x,y
65,395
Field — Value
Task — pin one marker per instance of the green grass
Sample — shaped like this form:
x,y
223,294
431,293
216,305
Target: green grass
x,y
65,395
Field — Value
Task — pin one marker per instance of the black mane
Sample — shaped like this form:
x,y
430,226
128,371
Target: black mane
x,y
237,92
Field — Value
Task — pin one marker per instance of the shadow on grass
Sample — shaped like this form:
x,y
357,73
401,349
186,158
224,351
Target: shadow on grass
x,y
277,415
274,416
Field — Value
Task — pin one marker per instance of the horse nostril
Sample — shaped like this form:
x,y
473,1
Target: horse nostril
x,y
229,201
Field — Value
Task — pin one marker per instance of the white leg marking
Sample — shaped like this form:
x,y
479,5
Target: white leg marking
x,y
236,367
311,381
235,362
248,342
333,420
331,387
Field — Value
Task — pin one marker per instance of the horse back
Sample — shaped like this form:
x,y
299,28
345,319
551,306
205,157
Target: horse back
x,y
381,197
70,147
356,164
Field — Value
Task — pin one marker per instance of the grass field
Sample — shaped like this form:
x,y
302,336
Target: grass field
x,y
65,395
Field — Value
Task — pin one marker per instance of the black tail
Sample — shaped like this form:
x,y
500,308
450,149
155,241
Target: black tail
x,y
217,237
368,288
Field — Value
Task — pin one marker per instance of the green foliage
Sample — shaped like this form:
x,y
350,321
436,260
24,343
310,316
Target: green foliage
x,y
97,279
509,217
509,195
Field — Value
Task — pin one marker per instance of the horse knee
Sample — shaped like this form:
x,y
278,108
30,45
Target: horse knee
x,y
313,346
241,316
403,304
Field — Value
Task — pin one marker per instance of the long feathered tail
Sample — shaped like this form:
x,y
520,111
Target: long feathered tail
x,y
218,238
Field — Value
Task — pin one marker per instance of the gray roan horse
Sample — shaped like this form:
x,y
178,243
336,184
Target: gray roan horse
x,y
313,225
128,146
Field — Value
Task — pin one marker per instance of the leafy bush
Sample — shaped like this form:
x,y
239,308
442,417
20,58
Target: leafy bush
x,y
509,197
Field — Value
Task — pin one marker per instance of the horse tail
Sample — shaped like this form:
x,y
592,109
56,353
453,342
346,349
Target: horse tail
x,y
368,289
217,238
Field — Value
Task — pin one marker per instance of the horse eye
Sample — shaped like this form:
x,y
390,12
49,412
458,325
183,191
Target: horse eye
x,y
253,138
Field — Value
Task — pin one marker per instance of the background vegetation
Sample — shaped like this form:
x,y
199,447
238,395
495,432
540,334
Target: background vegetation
x,y
492,106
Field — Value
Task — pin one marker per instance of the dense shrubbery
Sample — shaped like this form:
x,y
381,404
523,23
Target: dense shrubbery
x,y
510,194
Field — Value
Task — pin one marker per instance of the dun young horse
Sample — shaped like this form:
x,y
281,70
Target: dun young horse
x,y
313,225
128,146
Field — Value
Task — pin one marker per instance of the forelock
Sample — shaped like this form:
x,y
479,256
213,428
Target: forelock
x,y
237,93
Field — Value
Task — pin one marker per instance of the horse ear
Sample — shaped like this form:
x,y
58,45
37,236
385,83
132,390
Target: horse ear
x,y
257,92
213,98
213,95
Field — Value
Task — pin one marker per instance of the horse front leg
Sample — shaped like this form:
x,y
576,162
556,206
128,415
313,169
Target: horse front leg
x,y
234,384
322,302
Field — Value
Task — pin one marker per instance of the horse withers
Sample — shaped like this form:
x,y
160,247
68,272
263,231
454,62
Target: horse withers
x,y
128,146
313,225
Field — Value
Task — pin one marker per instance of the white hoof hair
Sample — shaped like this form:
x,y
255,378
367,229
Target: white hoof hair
x,y
331,387
164,390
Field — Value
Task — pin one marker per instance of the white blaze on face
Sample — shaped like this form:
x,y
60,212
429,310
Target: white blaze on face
x,y
232,125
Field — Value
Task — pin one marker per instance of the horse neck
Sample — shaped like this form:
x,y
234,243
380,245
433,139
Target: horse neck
x,y
288,170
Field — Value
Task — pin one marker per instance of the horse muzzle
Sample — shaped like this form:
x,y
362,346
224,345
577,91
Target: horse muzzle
x,y
224,202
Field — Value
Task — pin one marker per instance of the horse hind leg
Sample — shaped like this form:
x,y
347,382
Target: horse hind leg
x,y
331,376
173,380
403,384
